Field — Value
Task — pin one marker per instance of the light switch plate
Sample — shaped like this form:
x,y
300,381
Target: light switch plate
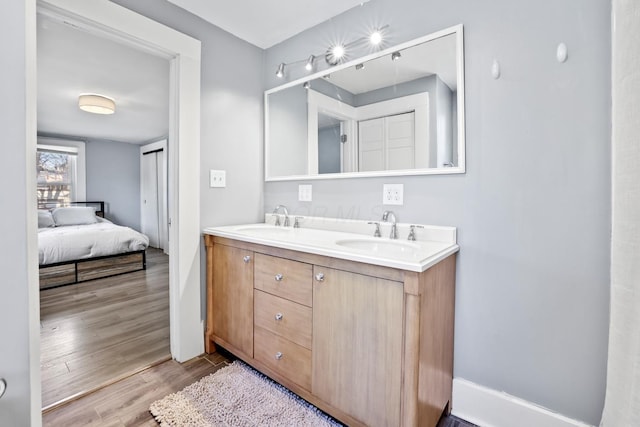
x,y
217,179
304,193
393,194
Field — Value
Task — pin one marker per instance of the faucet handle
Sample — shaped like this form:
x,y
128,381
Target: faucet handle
x,y
277,223
377,232
412,231
296,221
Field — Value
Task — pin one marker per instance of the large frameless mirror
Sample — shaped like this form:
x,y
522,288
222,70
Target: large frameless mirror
x,y
397,112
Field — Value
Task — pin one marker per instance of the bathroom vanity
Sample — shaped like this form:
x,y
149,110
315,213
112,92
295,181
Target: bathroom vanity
x,y
361,327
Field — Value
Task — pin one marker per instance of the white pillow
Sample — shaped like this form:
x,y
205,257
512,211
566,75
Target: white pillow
x,y
45,219
74,216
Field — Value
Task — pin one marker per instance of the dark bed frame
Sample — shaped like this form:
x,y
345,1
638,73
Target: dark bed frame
x,y
76,271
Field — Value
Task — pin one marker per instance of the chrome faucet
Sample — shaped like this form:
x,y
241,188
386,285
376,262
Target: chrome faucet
x,y
394,228
286,215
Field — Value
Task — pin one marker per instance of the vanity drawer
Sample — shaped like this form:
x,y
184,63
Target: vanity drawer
x,y
283,356
285,278
283,317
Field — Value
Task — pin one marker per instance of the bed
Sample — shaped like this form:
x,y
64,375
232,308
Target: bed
x,y
76,244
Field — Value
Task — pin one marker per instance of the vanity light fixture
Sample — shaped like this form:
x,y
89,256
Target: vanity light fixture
x,y
338,52
395,55
335,54
97,104
375,38
309,65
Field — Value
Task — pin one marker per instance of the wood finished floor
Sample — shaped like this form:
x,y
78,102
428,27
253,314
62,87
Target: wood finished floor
x,y
105,329
126,403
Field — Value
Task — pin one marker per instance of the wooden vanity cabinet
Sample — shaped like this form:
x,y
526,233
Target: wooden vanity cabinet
x,y
357,344
369,345
230,302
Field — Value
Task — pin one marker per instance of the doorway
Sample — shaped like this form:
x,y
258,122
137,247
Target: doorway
x,y
113,21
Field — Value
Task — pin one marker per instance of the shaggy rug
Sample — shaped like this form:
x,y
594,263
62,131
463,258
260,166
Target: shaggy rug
x,y
234,396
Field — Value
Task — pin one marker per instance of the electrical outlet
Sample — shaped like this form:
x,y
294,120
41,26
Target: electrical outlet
x,y
304,193
217,179
393,194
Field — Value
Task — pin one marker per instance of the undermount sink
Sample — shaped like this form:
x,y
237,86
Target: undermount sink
x,y
380,246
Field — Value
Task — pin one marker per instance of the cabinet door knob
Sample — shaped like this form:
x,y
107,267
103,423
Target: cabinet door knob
x,y
320,277
279,277
279,316
278,356
246,258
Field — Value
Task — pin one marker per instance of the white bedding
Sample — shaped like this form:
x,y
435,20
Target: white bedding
x,y
72,242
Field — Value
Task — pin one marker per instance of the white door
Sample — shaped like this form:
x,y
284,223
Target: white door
x,y
150,219
387,143
400,141
371,145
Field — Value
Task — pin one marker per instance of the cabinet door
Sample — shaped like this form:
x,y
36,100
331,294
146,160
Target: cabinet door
x,y
357,344
232,297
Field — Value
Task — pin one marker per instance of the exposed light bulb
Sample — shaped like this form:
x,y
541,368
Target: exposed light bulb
x,y
375,38
309,64
335,54
338,51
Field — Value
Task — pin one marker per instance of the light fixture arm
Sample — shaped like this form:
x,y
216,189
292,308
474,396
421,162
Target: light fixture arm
x,y
329,56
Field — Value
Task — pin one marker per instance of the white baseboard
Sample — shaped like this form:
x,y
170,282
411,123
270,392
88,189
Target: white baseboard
x,y
490,408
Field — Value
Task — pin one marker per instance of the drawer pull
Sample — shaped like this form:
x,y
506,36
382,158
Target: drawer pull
x,y
246,258
279,316
278,356
279,277
320,277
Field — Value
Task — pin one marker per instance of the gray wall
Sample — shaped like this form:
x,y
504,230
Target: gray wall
x,y
329,149
231,114
533,210
17,212
113,176
288,132
444,123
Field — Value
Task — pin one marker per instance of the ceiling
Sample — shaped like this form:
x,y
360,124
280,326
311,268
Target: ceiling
x,y
265,23
436,56
72,62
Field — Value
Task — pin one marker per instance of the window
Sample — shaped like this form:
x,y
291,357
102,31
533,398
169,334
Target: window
x,y
60,172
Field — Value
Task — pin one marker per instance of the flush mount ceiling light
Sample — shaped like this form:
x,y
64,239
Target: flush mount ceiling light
x,y
96,104
280,72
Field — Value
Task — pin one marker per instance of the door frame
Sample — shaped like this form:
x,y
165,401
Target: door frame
x,y
110,20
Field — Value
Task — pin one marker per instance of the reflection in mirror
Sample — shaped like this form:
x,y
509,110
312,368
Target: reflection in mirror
x,y
396,114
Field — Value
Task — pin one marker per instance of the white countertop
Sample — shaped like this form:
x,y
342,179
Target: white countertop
x,y
322,236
